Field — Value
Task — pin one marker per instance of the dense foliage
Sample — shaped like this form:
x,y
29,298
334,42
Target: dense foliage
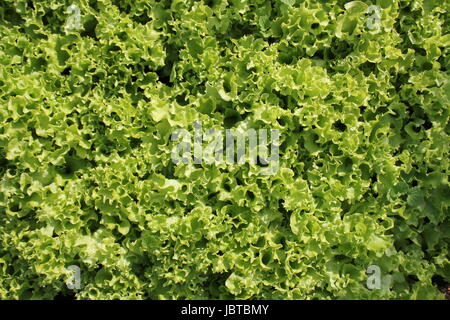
x,y
86,176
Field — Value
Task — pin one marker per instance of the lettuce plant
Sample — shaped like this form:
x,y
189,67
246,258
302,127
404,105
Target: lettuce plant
x,y
92,90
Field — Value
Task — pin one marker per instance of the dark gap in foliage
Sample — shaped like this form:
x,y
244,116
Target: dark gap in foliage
x,y
420,51
241,29
426,220
123,36
427,125
165,71
94,226
319,54
113,48
115,116
322,35
123,153
30,4
368,68
286,56
231,118
94,5
281,207
212,195
245,115
12,170
227,187
10,15
216,284
401,80
209,3
426,66
202,243
14,207
89,28
64,170
123,6
221,108
83,205
412,278
33,133
362,109
341,258
266,258
328,54
340,49
73,163
447,128
345,206
169,171
226,87
142,19
426,120
38,64
62,55
340,126
443,63
66,71
135,142
442,285
382,110
348,164
335,150
416,128
282,241
107,146
52,22
284,100
133,80
271,40
100,127
338,107
374,194
369,115
3,163
329,97
182,100
145,176
281,122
